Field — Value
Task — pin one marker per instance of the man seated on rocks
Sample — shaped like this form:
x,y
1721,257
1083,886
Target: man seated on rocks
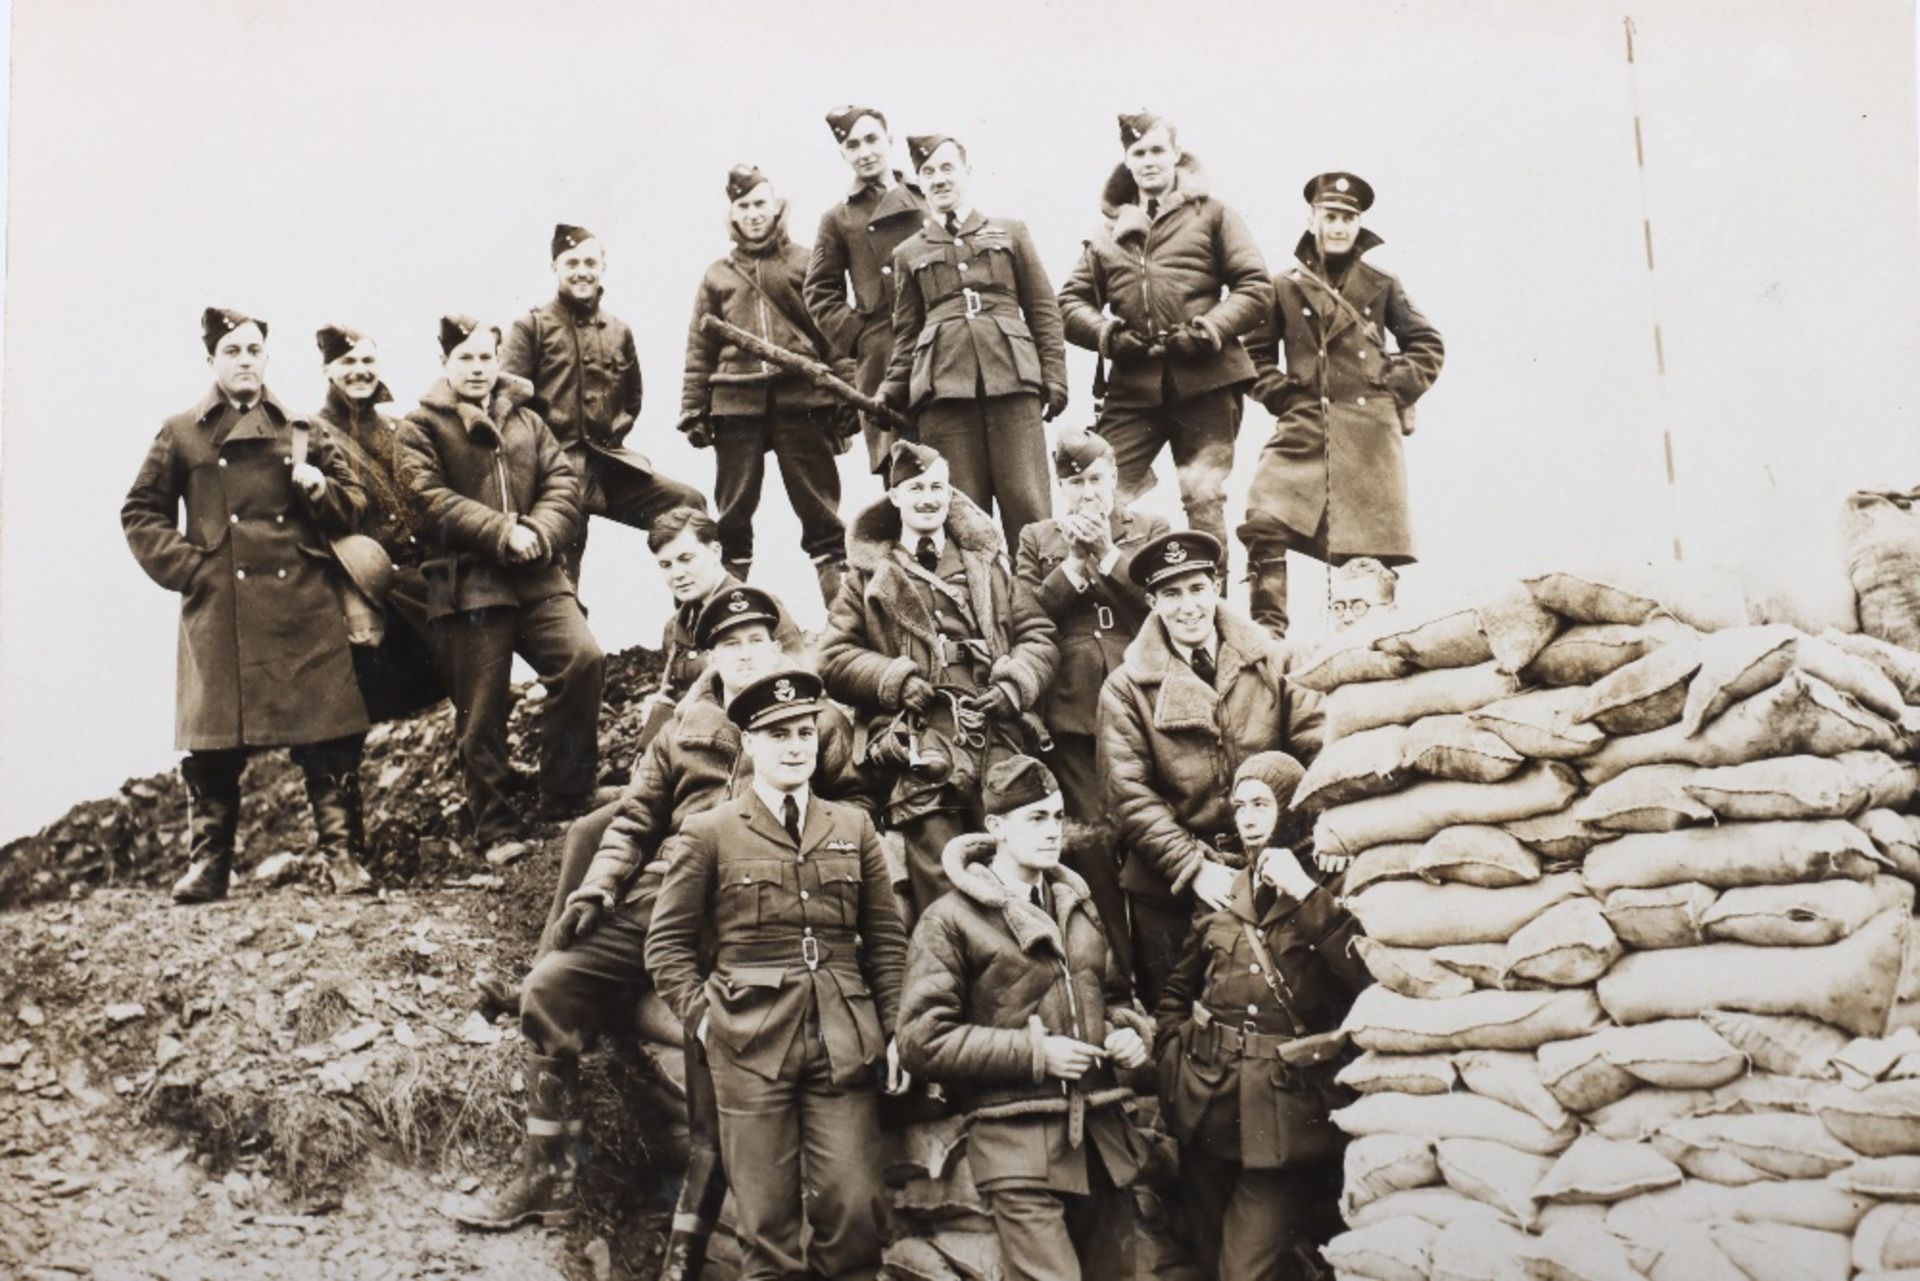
x,y
778,941
1362,588
1016,1004
1202,689
504,505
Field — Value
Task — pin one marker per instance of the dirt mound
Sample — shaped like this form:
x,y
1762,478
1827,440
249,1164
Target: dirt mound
x,y
411,777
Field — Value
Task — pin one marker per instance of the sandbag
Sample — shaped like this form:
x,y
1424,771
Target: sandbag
x,y
1568,945
1659,916
1653,1213
1452,640
1395,1024
1780,1043
1415,914
1673,1054
1402,1073
1353,768
1410,971
1867,1059
1580,1076
1759,1092
1852,674
1897,837
1849,984
1442,1207
1647,694
1452,747
1475,855
1381,863
1484,963
1381,1163
1810,915
1426,808
1635,1117
1578,1252
1776,1252
1885,1178
1517,627
1820,1204
1582,599
1888,1237
1543,724
1648,798
1596,1171
1493,1173
1897,664
1732,855
1558,835
1585,654
1449,1116
1352,708
1736,664
1798,715
1478,1252
1803,787
1349,657
1691,1256
1785,1145
1392,1251
1880,1120
1511,1077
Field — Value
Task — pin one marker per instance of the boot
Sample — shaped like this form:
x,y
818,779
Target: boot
x,y
213,814
340,837
1267,593
701,1195
739,567
831,571
543,1190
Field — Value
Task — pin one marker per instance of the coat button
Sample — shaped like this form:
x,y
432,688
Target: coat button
x,y
233,520
873,226
279,573
223,462
1306,311
963,266
281,519
1325,402
1359,400
240,573
1323,351
886,271
1253,969
1253,1009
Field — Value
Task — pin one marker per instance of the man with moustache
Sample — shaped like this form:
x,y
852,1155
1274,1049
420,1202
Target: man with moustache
x,y
1014,1003
777,940
1201,689
978,357
849,283
264,659
396,672
503,502
930,643
1332,481
1164,291
582,363
1073,568
743,407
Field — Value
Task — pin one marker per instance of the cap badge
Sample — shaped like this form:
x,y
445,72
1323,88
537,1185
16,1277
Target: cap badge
x,y
737,604
1341,184
1175,553
783,691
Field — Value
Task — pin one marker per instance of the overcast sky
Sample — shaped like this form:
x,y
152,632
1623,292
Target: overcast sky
x,y
378,164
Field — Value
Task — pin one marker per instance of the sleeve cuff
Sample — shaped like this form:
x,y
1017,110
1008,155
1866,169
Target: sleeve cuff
x,y
1108,562
1037,1034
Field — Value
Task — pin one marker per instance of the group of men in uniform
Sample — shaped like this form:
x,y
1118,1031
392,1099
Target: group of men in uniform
x,y
1047,712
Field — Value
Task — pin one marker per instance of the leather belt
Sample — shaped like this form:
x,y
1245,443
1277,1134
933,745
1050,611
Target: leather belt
x,y
970,302
1228,1041
808,949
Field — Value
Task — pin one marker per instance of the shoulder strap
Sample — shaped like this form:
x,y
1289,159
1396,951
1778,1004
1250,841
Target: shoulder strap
x,y
299,441
803,323
1339,299
1275,983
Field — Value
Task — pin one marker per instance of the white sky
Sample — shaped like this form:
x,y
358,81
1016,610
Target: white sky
x,y
378,164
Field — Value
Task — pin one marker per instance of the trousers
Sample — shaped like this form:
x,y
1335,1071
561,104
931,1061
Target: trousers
x,y
996,450
798,440
634,498
477,649
1259,1225
1161,928
1200,431
813,1149
1048,1235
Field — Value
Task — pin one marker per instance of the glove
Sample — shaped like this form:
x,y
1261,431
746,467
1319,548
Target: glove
x,y
698,431
843,428
1056,404
1192,339
580,919
917,695
1124,344
995,705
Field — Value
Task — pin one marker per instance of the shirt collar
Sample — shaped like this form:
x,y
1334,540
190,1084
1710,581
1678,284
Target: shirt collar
x,y
1186,652
773,798
910,541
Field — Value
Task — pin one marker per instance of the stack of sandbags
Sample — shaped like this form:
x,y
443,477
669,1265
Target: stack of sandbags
x,y
1630,890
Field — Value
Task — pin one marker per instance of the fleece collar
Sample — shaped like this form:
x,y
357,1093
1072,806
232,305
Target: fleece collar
x,y
965,861
509,394
1120,198
1183,701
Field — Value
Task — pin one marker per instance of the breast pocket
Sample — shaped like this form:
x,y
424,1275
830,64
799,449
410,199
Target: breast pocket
x,y
750,892
994,261
936,276
840,888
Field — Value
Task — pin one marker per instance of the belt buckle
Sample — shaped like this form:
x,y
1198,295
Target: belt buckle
x,y
810,952
972,300
1248,1031
1103,618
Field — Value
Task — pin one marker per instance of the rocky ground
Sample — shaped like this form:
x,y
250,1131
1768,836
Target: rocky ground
x,y
290,1084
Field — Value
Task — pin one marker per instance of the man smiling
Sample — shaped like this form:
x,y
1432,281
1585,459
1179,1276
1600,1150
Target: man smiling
x,y
849,282
1202,689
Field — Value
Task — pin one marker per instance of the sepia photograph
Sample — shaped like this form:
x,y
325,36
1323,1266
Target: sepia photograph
x,y
1266,641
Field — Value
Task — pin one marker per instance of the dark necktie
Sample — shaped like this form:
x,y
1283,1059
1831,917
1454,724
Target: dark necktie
x,y
929,558
790,817
953,226
1038,896
1202,664
1153,209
